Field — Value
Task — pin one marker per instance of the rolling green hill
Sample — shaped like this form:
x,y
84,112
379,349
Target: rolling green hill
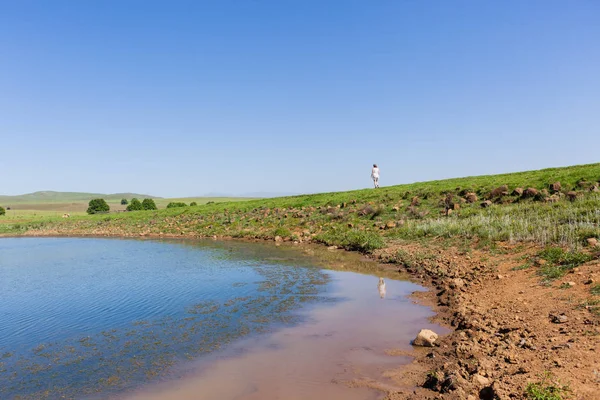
x,y
67,197
518,207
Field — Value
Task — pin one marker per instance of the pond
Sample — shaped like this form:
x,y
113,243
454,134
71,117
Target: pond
x,y
95,318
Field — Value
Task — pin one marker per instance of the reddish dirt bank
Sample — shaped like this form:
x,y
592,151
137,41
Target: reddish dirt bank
x,y
509,330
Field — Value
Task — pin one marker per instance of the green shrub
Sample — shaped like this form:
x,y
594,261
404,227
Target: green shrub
x,y
148,204
2,211
193,204
546,389
135,205
124,202
175,204
97,206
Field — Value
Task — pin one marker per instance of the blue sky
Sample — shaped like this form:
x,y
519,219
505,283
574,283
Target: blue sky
x,y
182,98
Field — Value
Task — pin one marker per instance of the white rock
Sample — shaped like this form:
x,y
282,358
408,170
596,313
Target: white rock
x,y
425,338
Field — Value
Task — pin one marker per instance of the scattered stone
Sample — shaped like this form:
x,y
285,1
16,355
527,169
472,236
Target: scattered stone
x,y
558,319
499,276
530,192
395,208
332,248
486,204
517,192
589,282
457,283
480,380
595,188
572,195
415,201
471,197
571,284
555,187
278,239
592,242
390,225
499,191
552,199
540,262
425,338
449,384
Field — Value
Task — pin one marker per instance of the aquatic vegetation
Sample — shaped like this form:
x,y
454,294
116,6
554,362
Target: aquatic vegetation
x,y
119,358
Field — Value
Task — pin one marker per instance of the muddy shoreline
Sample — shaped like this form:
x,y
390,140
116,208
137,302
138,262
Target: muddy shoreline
x,y
503,338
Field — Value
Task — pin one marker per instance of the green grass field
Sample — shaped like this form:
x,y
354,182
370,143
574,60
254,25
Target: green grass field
x,y
49,205
368,219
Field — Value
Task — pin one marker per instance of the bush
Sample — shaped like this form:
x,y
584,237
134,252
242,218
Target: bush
x,y
193,204
124,202
2,211
148,204
175,204
135,205
97,206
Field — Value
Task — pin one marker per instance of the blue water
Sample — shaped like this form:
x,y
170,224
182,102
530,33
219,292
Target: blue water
x,y
80,317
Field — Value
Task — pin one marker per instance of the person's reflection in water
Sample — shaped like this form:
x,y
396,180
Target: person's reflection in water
x,y
381,288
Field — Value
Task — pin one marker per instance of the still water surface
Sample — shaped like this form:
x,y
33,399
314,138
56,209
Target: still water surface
x,y
98,318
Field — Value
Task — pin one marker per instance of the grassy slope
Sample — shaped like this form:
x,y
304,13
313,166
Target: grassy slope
x,y
355,219
162,203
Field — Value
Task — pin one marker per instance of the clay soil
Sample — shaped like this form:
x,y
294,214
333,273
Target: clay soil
x,y
509,329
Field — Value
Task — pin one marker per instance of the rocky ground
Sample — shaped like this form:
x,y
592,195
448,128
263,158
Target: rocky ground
x,y
510,331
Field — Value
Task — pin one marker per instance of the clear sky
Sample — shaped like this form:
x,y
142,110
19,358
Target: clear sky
x,y
181,98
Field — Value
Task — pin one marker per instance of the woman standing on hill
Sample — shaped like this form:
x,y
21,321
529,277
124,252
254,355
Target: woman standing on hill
x,y
375,175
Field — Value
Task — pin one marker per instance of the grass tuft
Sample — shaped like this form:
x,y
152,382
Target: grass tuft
x,y
546,389
560,261
354,239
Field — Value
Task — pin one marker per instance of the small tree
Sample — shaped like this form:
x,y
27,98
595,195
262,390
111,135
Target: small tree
x,y
175,204
2,211
97,206
193,204
124,202
135,205
149,204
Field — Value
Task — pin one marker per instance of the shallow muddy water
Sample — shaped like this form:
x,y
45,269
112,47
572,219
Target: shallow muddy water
x,y
129,319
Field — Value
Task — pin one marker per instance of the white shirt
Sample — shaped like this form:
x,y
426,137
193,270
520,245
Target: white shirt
x,y
375,173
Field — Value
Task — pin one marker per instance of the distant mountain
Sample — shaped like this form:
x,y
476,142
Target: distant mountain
x,y
67,197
